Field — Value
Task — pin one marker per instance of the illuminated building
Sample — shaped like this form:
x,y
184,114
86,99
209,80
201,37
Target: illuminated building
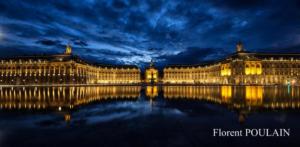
x,y
151,74
63,69
242,67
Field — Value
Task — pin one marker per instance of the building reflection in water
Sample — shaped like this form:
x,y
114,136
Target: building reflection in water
x,y
226,93
254,95
62,98
243,99
151,91
239,96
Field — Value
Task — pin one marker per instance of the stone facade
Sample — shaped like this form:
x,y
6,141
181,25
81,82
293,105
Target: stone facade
x,y
63,69
239,68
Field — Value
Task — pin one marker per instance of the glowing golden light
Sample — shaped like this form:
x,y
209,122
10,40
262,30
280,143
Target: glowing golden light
x,y
240,68
57,98
68,50
61,69
67,117
225,70
151,91
253,68
293,81
254,94
226,92
67,98
151,75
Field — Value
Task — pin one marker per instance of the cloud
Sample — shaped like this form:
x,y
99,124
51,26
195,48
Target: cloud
x,y
124,30
290,49
195,55
81,43
22,50
48,42
239,5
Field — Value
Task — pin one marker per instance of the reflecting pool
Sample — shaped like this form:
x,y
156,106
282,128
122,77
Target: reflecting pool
x,y
145,115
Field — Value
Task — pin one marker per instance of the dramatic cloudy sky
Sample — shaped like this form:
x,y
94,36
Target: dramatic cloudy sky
x,y
136,31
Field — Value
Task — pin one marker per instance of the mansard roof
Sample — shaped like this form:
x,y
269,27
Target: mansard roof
x,y
245,55
261,55
117,66
40,57
191,66
64,57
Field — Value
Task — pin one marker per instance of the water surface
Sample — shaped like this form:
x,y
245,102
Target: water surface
x,y
145,116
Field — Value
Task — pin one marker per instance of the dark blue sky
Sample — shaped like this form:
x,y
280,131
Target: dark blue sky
x,y
134,31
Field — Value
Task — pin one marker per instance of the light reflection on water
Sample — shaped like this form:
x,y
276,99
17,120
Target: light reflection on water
x,y
107,103
183,113
239,96
69,97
